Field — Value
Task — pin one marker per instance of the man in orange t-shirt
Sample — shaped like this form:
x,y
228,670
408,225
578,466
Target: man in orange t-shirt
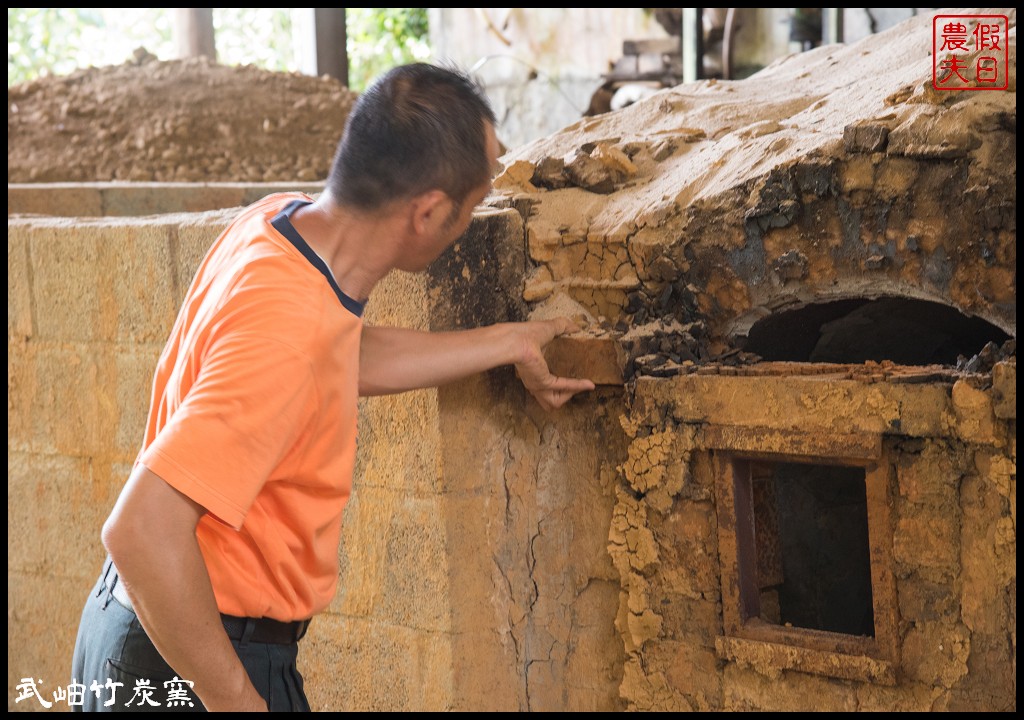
x,y
224,541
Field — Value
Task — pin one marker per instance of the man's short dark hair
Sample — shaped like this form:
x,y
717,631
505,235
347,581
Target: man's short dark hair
x,y
417,128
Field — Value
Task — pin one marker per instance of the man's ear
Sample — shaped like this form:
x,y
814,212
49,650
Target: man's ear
x,y
430,211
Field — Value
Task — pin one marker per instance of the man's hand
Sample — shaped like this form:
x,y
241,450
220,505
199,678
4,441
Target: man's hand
x,y
393,360
550,391
151,537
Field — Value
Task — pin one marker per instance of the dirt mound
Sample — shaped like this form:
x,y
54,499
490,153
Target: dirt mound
x,y
182,120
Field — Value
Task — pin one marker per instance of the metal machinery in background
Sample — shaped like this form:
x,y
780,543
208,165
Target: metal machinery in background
x,y
701,46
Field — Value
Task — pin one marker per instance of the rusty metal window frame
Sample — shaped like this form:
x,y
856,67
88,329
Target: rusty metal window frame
x,y
747,638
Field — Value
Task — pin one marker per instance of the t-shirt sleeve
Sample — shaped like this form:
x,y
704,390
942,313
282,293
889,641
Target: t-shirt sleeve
x,y
249,405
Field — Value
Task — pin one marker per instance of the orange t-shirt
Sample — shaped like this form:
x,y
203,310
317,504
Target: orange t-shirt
x,y
253,414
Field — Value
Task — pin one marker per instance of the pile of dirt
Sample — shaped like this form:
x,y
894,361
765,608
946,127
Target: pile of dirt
x,y
182,120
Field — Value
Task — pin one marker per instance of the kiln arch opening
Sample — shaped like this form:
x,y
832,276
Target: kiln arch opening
x,y
904,330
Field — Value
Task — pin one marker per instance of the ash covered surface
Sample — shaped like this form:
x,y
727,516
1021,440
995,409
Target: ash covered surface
x,y
987,358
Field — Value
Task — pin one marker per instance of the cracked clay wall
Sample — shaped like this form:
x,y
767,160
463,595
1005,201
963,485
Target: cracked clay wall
x,y
455,589
950,541
531,497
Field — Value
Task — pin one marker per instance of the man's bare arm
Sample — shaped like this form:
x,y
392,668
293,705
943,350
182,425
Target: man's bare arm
x,y
151,537
393,360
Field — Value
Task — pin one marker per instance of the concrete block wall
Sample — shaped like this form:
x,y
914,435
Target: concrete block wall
x,y
88,303
132,199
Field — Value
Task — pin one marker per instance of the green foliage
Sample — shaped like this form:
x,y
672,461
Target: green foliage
x,y
57,41
255,36
44,38
381,38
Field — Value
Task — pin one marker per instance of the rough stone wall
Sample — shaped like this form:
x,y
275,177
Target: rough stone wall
x,y
132,199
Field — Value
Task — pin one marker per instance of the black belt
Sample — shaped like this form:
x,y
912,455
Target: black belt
x,y
257,630
264,630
